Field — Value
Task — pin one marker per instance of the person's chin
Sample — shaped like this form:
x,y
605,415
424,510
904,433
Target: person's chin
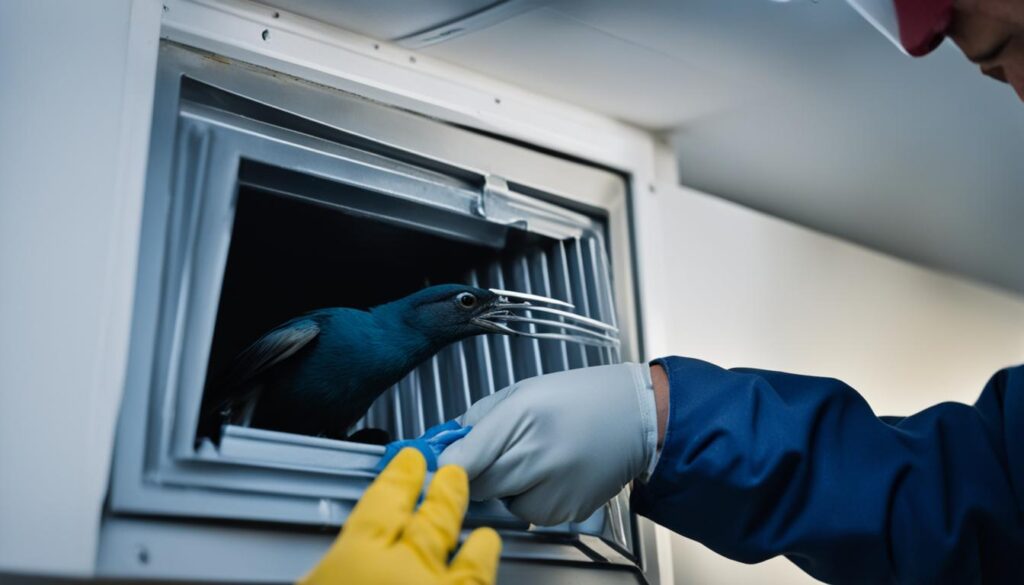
x,y
1017,83
1014,78
1019,88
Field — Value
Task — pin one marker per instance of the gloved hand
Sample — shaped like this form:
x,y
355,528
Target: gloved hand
x,y
385,542
558,446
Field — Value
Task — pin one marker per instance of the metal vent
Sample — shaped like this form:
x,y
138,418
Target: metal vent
x,y
229,164
573,270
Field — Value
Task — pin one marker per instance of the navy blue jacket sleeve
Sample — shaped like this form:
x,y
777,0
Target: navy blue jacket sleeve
x,y
758,463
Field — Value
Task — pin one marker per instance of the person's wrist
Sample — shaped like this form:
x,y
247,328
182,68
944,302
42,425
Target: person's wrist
x,y
659,380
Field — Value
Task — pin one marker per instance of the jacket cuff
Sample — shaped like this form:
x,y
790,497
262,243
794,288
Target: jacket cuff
x,y
683,392
648,417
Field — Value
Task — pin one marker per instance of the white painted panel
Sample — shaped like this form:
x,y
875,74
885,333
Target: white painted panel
x,y
74,123
382,19
764,48
747,289
554,54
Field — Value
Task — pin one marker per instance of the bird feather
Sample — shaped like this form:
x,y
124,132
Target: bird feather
x,y
272,348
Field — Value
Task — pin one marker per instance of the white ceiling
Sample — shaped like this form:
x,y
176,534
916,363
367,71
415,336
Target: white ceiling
x,y
798,109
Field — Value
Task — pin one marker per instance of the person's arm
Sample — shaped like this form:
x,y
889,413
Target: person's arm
x,y
756,464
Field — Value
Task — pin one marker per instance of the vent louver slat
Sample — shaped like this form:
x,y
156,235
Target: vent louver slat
x,y
507,377
564,290
528,362
462,374
481,351
434,369
555,358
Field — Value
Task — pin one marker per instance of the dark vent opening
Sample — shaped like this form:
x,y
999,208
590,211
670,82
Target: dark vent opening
x,y
291,254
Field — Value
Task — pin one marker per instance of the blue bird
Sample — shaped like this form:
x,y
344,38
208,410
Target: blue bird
x,y
319,373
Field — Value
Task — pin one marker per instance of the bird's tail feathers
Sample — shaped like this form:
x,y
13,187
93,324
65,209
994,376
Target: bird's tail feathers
x,y
237,410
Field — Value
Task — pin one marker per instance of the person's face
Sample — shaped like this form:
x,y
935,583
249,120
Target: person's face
x,y
991,34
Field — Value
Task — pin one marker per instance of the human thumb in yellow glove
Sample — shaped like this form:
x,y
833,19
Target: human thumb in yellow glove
x,y
387,541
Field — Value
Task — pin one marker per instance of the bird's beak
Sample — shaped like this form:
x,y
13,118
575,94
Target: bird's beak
x,y
489,318
567,325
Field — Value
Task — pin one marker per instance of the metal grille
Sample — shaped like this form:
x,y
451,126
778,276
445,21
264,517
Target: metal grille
x,y
574,270
357,157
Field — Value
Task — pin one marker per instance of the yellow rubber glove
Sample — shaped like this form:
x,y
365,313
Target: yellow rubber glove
x,y
386,542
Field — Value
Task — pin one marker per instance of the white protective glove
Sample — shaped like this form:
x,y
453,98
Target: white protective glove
x,y
558,446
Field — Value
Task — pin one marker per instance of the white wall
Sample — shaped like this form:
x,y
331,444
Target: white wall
x,y
75,102
747,289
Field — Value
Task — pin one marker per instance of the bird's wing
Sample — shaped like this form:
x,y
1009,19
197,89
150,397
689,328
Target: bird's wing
x,y
274,347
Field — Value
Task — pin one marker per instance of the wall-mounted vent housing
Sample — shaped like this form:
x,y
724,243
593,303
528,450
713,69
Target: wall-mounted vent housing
x,y
266,197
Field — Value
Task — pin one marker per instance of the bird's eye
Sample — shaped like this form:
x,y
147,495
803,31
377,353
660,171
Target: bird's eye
x,y
466,300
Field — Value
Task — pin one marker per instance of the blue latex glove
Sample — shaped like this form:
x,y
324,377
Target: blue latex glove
x,y
430,443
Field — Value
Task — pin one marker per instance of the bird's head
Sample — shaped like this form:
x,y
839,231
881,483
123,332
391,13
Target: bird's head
x,y
449,312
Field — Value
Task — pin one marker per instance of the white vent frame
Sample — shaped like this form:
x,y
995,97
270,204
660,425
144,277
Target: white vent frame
x,y
143,483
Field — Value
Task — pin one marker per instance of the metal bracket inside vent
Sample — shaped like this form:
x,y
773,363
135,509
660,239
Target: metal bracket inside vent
x,y
495,203
498,203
